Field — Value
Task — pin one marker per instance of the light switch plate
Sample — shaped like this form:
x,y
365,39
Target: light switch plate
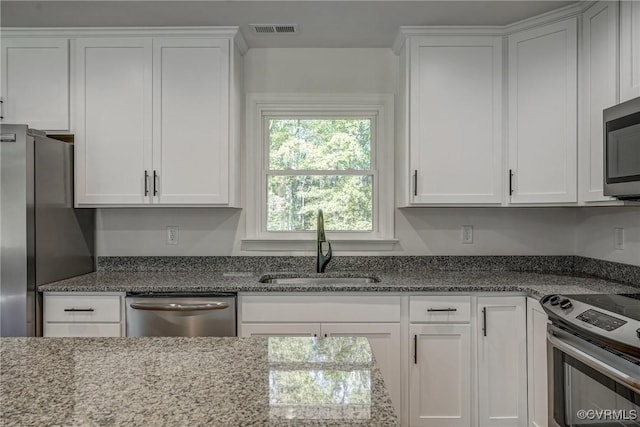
x,y
467,234
619,238
172,235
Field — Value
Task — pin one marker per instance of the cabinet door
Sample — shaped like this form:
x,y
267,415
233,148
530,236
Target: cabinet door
x,y
440,375
82,330
113,141
502,361
35,82
279,330
537,364
629,50
598,91
384,339
191,121
456,119
543,113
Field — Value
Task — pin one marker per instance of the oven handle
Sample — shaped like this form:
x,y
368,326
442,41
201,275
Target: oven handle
x,y
152,306
594,363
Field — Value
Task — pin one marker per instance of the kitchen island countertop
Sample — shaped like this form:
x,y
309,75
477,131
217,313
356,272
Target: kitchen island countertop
x,y
276,381
532,284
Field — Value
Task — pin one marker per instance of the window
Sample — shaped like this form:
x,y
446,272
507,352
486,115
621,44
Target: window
x,y
310,152
319,163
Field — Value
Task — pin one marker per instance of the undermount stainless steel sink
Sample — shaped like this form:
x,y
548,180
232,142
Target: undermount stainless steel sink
x,y
319,280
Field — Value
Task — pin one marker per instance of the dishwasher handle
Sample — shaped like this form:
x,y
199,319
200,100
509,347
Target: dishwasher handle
x,y
153,306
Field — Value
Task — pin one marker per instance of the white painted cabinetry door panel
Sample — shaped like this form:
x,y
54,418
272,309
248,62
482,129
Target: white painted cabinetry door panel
x,y
384,339
629,50
543,113
598,91
502,362
440,375
279,330
191,120
114,102
537,364
35,82
82,330
456,119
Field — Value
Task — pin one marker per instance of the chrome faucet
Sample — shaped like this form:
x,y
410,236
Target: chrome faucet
x,y
322,258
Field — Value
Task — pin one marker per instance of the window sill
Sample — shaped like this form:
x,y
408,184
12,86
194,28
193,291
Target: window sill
x,y
310,245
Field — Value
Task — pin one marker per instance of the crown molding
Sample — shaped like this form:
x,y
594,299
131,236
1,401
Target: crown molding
x,y
504,30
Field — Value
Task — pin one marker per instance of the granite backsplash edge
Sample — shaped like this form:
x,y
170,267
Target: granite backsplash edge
x,y
553,264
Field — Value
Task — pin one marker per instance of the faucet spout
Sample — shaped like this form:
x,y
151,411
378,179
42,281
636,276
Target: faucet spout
x,y
322,258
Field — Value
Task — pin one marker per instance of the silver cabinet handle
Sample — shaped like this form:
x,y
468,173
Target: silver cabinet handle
x,y
146,183
152,306
441,309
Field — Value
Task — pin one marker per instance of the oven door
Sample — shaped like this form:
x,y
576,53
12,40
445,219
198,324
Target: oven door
x,y
590,386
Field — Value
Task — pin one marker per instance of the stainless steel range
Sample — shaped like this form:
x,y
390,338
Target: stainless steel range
x,y
594,360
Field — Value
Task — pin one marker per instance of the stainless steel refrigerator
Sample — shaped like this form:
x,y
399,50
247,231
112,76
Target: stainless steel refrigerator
x,y
43,237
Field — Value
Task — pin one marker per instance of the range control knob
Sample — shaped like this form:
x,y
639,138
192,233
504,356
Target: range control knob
x,y
554,300
638,332
565,304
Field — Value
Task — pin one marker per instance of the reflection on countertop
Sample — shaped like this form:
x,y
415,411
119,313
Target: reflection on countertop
x,y
192,381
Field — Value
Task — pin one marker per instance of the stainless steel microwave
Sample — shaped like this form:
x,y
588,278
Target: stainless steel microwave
x,y
622,150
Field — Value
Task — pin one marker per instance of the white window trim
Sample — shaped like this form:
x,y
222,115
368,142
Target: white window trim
x,y
379,105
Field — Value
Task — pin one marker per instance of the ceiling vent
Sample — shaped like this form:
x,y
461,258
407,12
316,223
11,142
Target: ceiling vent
x,y
274,29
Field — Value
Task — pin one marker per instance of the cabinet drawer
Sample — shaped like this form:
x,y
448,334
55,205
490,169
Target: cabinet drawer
x,y
440,309
320,308
82,330
81,308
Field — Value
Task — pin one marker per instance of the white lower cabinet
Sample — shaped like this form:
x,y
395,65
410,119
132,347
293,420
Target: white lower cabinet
x,y
280,330
537,391
374,317
502,362
440,375
73,314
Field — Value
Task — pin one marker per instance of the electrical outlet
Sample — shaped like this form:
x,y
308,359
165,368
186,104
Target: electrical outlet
x,y
172,235
467,234
618,238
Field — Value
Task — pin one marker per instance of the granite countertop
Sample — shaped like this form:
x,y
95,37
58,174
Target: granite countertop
x,y
532,284
276,381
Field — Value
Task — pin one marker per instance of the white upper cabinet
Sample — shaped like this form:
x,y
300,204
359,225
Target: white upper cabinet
x,y
191,121
453,92
598,90
35,82
158,120
543,113
114,128
629,50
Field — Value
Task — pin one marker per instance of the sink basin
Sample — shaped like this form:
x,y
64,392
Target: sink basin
x,y
319,280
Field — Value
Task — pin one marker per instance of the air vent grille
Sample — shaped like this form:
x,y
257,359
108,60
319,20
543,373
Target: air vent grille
x,y
274,29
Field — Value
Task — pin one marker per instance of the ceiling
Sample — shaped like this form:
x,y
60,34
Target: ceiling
x,y
346,23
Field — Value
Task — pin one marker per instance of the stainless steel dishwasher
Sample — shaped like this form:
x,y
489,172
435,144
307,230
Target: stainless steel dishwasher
x,y
179,315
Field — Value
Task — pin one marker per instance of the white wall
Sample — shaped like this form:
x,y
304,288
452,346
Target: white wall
x,y
595,233
320,70
422,231
496,231
143,231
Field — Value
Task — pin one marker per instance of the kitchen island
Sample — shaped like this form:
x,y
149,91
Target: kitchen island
x,y
275,381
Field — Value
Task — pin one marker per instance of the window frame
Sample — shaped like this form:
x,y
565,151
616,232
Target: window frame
x,y
266,171
261,107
